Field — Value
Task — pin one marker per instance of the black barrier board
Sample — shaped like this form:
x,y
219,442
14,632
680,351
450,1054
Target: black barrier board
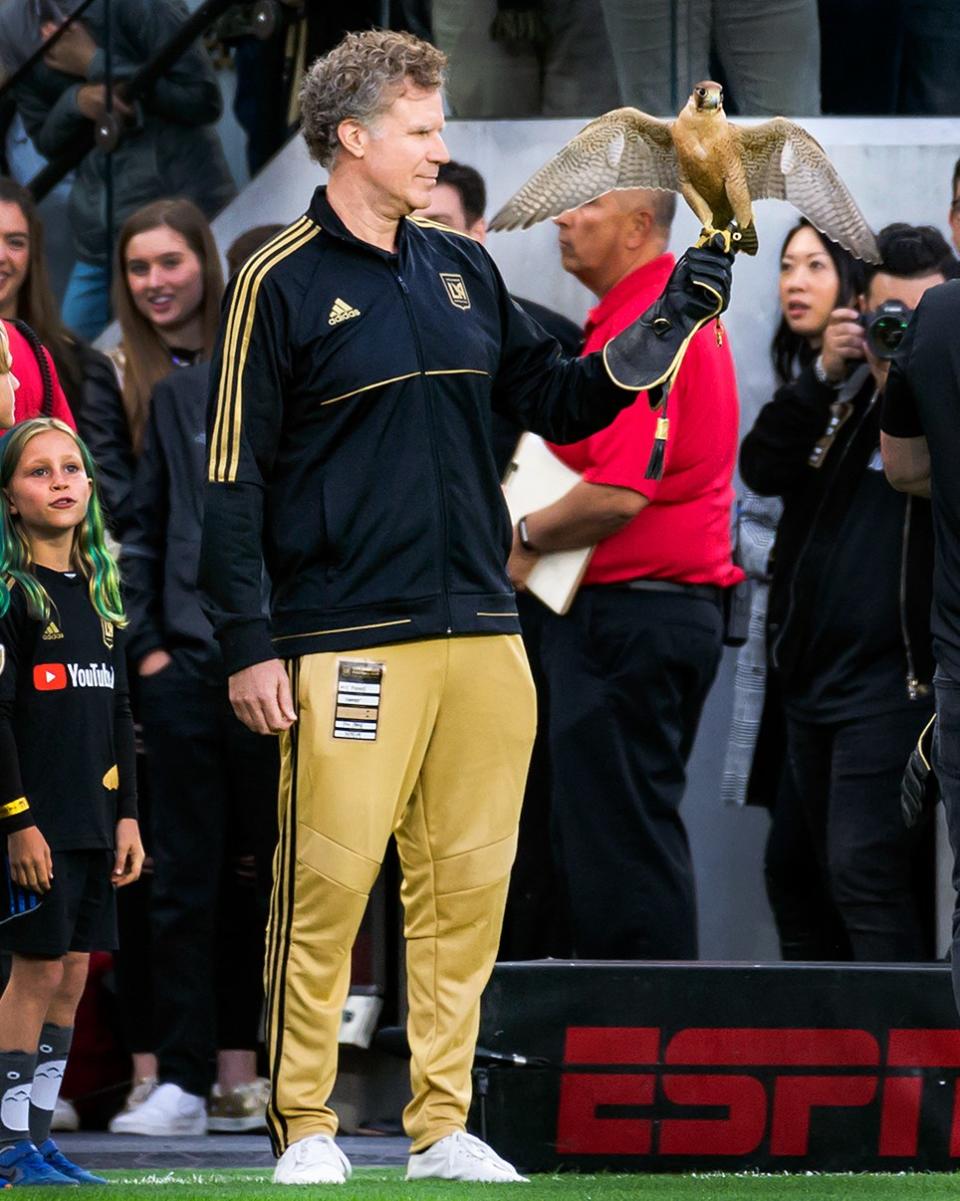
x,y
682,1067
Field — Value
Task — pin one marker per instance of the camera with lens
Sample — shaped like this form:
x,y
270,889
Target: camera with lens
x,y
885,327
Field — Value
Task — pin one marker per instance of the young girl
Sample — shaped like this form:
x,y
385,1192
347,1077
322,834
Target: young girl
x,y
67,792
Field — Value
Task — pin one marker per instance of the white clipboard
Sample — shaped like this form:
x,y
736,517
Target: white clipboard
x,y
534,479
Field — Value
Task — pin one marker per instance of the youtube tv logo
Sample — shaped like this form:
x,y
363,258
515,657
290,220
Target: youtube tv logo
x,y
49,677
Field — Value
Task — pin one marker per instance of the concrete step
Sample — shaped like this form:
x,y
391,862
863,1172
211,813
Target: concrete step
x,y
101,1150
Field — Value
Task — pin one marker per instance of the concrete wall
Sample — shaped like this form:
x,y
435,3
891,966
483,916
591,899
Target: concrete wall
x,y
898,170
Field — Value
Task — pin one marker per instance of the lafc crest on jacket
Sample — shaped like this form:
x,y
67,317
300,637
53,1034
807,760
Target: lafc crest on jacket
x,y
456,290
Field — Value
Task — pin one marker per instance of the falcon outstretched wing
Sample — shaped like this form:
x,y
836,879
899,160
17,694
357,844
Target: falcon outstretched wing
x,y
783,162
624,148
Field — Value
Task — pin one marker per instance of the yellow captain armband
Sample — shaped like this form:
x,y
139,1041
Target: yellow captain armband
x,y
12,808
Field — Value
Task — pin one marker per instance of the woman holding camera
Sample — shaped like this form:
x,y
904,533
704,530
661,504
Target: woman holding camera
x,y
848,616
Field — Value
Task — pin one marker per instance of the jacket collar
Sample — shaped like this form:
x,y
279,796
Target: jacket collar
x,y
321,212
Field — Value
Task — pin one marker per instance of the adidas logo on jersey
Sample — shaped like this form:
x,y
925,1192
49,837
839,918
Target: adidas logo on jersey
x,y
341,311
52,632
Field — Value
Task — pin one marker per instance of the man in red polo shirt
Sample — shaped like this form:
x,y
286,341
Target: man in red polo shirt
x,y
27,388
629,666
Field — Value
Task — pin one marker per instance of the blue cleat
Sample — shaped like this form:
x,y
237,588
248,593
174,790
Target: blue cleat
x,y
56,1159
22,1164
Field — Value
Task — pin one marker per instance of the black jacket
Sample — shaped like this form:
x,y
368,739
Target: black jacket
x,y
102,423
162,547
349,439
775,460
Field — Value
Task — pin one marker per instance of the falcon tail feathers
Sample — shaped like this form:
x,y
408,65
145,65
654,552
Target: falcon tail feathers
x,y
749,242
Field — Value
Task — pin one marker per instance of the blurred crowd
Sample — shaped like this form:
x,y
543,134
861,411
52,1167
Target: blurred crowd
x,y
834,682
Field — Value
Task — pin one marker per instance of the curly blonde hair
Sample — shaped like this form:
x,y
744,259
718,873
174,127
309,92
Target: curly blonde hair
x,y
359,79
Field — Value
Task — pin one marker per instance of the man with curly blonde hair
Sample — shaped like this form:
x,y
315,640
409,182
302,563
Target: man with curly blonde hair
x,y
360,358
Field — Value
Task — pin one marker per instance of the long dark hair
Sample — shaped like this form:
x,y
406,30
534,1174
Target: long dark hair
x,y
36,303
147,355
791,351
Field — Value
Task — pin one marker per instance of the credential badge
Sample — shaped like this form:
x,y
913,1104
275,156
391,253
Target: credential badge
x,y
456,290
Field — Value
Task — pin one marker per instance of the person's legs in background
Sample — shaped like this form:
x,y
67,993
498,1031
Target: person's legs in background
x,y
931,58
189,807
486,78
770,54
808,923
251,766
536,924
660,48
628,674
579,79
946,765
848,776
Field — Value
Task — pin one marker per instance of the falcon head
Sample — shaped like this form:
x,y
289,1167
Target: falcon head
x,y
707,96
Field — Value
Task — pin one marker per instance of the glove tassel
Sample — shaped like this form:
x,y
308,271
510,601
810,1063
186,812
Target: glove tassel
x,y
658,453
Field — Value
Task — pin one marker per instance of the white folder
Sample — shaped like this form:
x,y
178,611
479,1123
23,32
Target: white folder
x,y
534,479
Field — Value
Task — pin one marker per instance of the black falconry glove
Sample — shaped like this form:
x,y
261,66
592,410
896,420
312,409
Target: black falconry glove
x,y
647,354
919,790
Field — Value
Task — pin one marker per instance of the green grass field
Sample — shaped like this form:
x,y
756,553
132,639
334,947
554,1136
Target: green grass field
x,y
387,1184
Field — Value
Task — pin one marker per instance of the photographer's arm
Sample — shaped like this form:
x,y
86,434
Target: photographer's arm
x,y
906,464
903,443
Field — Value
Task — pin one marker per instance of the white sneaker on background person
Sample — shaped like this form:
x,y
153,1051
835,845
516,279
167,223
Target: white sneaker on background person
x,y
462,1156
315,1159
141,1089
167,1112
65,1116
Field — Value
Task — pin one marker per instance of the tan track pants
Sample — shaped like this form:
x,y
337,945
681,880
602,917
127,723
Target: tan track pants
x,y
453,722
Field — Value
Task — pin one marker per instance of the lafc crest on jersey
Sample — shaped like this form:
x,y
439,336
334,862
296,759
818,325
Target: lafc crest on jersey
x,y
106,629
456,290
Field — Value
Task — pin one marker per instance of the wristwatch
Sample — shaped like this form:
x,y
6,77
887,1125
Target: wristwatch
x,y
820,373
524,535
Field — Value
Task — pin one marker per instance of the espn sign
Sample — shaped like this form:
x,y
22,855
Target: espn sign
x,y
624,1090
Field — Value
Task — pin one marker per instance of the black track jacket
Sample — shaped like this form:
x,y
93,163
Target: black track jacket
x,y
349,439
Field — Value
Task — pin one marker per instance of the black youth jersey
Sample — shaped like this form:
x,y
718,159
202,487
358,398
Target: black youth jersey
x,y
66,735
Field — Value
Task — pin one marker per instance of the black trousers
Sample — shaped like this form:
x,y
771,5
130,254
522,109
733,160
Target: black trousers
x,y
946,764
628,673
848,775
213,788
809,925
535,924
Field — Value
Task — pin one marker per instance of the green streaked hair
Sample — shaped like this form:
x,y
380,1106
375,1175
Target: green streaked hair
x,y
89,554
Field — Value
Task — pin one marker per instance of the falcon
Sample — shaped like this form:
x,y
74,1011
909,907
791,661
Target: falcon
x,y
720,169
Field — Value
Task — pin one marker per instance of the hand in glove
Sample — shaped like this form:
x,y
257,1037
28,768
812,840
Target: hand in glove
x,y
698,289
919,790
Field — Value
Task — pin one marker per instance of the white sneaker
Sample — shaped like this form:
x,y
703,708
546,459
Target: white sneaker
x,y
315,1159
65,1116
461,1156
167,1112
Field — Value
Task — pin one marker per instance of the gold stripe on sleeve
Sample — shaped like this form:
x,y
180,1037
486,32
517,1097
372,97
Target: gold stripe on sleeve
x,y
226,365
12,808
225,444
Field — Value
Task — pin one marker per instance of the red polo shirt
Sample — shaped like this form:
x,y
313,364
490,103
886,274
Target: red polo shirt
x,y
28,400
683,534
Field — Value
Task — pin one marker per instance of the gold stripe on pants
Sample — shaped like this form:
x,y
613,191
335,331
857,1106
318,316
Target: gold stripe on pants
x,y
445,775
